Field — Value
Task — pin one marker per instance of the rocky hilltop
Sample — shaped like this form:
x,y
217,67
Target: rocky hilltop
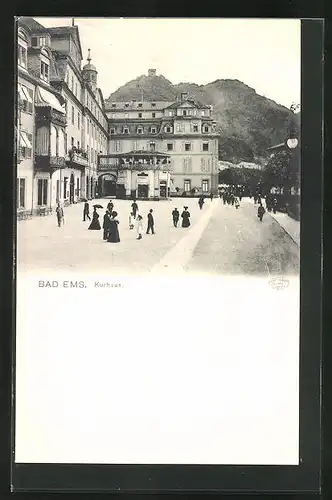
x,y
247,122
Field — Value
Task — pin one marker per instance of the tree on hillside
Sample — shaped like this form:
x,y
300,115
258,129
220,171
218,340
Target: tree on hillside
x,y
282,170
248,177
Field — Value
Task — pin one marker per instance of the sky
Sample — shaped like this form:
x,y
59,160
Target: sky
x,y
262,53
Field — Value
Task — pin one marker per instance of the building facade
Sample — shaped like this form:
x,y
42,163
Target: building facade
x,y
184,130
61,120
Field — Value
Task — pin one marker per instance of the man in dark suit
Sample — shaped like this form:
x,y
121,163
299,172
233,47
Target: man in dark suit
x,y
150,223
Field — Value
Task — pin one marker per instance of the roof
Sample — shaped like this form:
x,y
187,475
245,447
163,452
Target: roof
x,y
178,104
31,25
89,67
145,105
72,30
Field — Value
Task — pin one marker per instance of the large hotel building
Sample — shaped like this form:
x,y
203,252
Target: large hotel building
x,y
71,144
61,126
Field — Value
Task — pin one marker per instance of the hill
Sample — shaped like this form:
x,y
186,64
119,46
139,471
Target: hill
x,y
247,122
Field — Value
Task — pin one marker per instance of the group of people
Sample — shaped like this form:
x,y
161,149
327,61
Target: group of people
x,y
229,197
111,223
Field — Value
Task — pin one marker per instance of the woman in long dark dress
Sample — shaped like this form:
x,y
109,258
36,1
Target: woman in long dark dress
x,y
95,224
185,217
113,231
106,224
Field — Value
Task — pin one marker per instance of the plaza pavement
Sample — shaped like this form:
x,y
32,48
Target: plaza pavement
x,y
221,240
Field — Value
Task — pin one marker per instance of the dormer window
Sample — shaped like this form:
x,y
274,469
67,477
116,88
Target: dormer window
x,y
112,131
113,105
44,71
153,130
125,130
127,105
140,104
195,128
153,104
205,128
168,129
170,113
139,130
153,115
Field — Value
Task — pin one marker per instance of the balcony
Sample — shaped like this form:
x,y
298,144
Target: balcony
x,y
48,163
45,114
77,157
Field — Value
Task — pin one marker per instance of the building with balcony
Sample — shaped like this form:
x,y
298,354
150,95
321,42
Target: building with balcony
x,y
184,131
61,122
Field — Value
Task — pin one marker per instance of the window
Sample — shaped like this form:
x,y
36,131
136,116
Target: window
x,y
26,144
205,186
202,112
139,115
184,112
76,89
126,105
113,105
168,129
72,115
140,130
42,192
125,130
205,129
152,146
187,146
170,147
139,104
170,113
112,131
187,185
44,71
22,56
117,146
42,41
78,120
153,115
205,146
153,104
26,98
20,193
195,128
153,130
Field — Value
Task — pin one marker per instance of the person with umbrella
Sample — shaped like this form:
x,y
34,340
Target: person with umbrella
x,y
185,217
106,224
95,224
86,210
113,232
176,216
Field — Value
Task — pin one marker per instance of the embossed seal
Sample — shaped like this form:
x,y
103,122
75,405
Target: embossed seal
x,y
279,283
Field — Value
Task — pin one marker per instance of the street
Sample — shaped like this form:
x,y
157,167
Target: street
x,y
221,240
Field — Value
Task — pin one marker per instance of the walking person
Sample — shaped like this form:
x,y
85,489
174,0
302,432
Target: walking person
x,y
236,202
176,216
201,202
274,205
95,224
110,207
131,220
134,208
260,212
113,232
150,223
185,217
86,211
59,214
106,224
211,197
139,227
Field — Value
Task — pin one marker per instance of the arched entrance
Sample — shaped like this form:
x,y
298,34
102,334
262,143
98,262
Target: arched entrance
x,y
107,185
71,188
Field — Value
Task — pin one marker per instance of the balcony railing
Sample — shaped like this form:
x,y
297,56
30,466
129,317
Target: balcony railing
x,y
47,163
46,114
112,166
78,157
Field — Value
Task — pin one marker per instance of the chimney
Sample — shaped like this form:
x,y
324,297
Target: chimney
x,y
184,96
152,72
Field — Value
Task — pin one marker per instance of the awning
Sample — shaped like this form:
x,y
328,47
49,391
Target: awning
x,y
24,141
46,98
27,95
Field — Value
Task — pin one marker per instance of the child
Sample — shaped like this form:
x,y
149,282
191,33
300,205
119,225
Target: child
x,y
260,212
131,220
139,226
